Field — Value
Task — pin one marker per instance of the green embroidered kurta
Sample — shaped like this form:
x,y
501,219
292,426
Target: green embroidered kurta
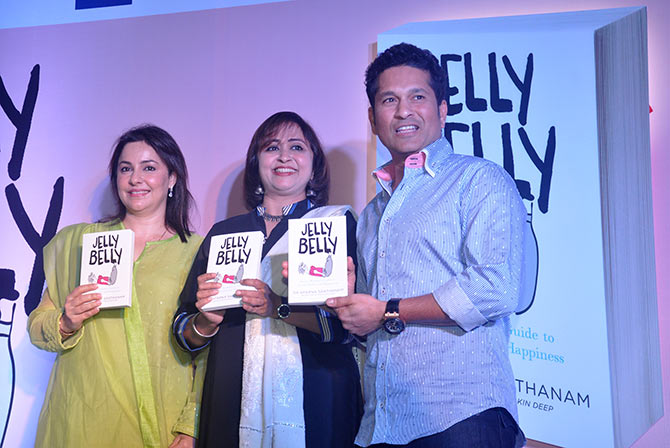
x,y
121,380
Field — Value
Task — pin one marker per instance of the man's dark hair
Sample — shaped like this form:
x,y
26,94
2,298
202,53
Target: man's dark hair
x,y
179,205
412,56
320,182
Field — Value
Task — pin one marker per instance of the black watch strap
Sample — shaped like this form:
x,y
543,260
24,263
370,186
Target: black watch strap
x,y
392,322
392,307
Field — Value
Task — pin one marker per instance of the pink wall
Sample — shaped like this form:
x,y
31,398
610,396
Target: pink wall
x,y
210,78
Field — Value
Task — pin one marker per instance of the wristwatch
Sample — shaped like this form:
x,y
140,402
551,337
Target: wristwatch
x,y
392,322
284,310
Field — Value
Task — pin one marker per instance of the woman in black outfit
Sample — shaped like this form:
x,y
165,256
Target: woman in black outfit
x,y
276,376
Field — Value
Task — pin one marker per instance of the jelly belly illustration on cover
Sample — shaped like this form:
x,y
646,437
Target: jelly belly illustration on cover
x,y
233,257
317,260
107,260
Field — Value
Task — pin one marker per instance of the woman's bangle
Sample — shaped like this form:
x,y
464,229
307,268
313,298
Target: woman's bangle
x,y
65,334
195,329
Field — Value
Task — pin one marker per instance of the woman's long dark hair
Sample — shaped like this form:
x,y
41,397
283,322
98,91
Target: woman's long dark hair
x,y
179,205
320,182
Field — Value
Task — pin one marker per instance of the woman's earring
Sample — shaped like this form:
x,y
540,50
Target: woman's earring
x,y
170,193
309,192
259,190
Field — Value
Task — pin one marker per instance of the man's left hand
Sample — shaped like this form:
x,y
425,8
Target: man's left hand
x,y
361,314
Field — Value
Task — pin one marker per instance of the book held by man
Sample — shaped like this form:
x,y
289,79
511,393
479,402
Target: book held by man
x,y
317,260
233,257
107,261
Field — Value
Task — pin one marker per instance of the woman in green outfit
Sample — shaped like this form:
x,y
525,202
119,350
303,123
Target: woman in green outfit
x,y
119,378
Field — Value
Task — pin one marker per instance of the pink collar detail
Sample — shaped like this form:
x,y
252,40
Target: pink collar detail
x,y
387,172
417,160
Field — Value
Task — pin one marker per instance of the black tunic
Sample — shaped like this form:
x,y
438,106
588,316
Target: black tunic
x,y
331,386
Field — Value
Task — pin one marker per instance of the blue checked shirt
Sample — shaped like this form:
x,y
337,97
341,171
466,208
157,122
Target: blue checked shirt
x,y
453,227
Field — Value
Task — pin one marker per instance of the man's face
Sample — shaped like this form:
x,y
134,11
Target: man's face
x,y
406,117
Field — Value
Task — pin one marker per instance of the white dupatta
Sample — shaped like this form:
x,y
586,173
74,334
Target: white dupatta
x,y
272,413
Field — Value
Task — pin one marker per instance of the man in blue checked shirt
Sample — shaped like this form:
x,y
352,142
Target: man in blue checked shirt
x,y
439,252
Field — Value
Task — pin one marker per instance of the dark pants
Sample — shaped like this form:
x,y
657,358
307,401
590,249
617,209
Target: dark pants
x,y
493,428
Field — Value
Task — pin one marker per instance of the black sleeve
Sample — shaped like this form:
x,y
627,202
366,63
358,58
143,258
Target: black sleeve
x,y
332,330
351,238
187,298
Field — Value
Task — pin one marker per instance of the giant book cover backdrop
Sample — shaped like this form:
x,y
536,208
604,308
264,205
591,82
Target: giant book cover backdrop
x,y
561,102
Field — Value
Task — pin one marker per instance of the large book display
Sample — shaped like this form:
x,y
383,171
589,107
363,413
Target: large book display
x,y
561,101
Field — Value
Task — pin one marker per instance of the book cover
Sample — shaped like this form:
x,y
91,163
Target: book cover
x,y
234,257
107,260
317,260
542,95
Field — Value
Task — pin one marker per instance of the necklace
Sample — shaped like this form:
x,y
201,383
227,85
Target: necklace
x,y
273,218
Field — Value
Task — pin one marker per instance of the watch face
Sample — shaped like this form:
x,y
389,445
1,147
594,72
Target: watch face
x,y
283,311
394,325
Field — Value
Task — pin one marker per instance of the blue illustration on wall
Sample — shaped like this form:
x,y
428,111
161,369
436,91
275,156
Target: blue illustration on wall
x,y
501,105
22,121
531,254
7,374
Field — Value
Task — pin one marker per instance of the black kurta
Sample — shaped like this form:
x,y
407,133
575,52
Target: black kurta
x,y
331,386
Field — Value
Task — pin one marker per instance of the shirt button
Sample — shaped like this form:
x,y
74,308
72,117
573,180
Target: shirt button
x,y
381,405
383,291
382,254
381,366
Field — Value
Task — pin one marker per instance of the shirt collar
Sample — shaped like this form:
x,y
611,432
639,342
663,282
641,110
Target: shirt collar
x,y
428,159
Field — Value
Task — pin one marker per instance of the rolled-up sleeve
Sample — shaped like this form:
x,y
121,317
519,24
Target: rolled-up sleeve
x,y
492,217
